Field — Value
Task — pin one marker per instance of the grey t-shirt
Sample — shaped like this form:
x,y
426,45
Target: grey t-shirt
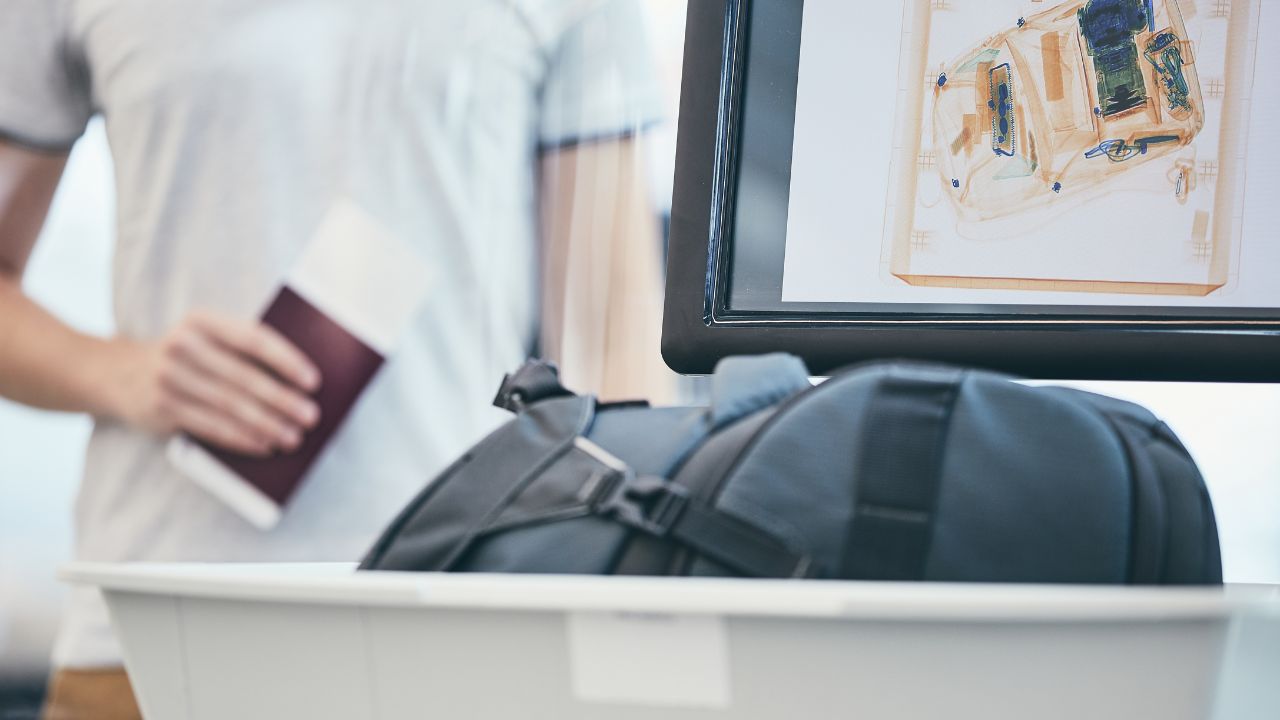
x,y
234,126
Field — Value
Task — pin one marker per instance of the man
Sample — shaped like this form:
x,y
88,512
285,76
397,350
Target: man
x,y
235,125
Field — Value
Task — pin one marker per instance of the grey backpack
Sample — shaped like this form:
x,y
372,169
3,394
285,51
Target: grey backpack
x,y
884,472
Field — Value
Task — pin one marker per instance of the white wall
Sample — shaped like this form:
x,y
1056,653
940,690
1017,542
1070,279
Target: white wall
x,y
1234,433
666,20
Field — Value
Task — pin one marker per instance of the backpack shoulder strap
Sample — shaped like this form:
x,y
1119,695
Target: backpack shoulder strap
x,y
438,528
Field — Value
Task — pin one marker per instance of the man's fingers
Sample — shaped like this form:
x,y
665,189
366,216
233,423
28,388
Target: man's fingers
x,y
235,371
234,404
212,427
264,344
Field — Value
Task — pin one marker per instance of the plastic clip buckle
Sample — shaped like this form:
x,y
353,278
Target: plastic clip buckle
x,y
649,504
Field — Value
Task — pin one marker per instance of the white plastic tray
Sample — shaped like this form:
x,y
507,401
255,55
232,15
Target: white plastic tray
x,y
321,641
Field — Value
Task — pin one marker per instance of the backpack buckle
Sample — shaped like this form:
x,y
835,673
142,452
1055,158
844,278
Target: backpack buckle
x,y
649,504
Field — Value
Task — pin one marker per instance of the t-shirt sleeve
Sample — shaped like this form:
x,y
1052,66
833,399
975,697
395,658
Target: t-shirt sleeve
x,y
44,88
601,79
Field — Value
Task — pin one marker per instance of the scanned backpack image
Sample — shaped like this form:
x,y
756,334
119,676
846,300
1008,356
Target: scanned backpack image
x,y
1083,146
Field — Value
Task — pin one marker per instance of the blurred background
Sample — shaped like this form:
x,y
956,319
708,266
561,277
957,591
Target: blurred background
x,y
1231,430
41,453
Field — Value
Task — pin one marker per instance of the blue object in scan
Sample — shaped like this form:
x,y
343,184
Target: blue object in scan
x,y
1003,122
1165,54
1110,28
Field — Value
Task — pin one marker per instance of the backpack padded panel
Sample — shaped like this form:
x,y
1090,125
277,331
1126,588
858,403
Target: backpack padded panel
x,y
1034,490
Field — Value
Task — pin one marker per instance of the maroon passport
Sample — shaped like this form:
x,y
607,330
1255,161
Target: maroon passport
x,y
353,292
346,366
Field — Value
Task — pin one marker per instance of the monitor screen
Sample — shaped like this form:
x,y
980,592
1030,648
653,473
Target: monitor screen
x,y
1017,165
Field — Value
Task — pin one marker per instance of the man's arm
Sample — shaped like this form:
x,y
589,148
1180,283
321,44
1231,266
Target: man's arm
x,y
602,272
238,385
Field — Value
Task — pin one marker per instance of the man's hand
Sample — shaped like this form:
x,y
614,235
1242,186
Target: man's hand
x,y
238,385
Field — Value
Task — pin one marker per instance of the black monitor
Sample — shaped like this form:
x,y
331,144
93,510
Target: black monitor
x,y
1052,189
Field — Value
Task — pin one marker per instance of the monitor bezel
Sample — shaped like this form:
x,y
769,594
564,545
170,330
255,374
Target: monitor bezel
x,y
699,328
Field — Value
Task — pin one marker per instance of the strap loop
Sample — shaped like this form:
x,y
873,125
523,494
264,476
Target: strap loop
x,y
535,380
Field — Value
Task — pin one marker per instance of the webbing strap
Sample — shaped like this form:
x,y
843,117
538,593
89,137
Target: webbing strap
x,y
899,474
662,509
737,544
